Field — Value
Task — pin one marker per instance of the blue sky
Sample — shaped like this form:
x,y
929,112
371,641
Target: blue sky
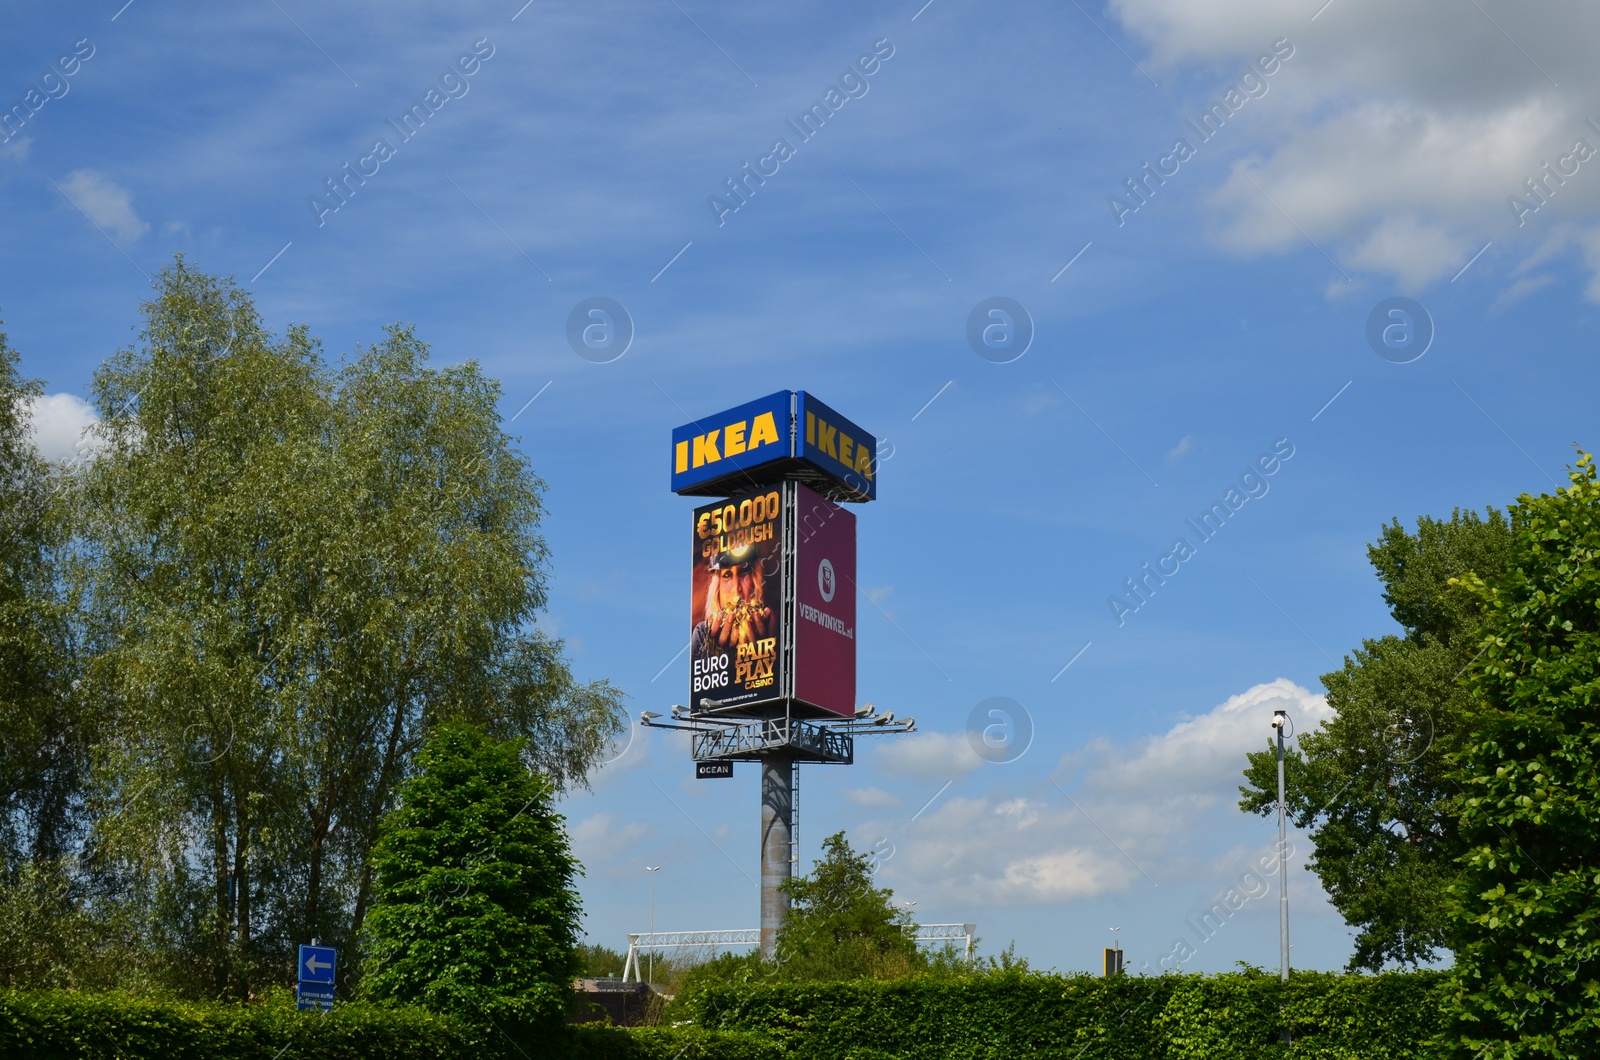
x,y
1386,156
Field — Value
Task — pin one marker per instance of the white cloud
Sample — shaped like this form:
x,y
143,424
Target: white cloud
x,y
602,839
1395,152
1417,252
17,149
935,756
58,423
872,798
107,205
880,597
1181,450
1163,807
1521,289
1203,752
1591,255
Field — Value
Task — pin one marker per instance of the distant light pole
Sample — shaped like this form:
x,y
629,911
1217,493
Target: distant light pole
x,y
1280,718
652,870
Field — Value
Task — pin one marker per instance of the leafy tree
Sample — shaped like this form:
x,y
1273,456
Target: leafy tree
x,y
839,925
42,735
1528,965
597,962
1373,784
287,573
475,912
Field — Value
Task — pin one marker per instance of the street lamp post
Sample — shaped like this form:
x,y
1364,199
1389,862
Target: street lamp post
x,y
652,870
1280,718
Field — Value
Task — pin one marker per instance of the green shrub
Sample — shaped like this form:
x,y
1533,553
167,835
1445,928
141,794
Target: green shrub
x,y
57,1025
474,911
601,1042
991,1016
1005,1016
67,1026
1528,897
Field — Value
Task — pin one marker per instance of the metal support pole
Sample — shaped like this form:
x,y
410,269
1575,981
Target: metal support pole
x,y
777,821
1283,859
652,870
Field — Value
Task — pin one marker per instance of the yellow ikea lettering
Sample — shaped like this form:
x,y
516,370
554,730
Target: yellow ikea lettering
x,y
705,448
763,430
825,435
864,462
845,445
738,437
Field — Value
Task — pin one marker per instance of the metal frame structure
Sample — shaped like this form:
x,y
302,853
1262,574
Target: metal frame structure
x,y
666,940
780,742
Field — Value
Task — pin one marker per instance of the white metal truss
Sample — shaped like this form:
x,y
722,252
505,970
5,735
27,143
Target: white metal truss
x,y
665,940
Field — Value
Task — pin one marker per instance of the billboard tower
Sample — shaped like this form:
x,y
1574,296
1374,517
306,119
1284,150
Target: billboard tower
x,y
772,646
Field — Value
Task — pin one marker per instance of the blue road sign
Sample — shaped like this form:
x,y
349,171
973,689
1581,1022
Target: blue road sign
x,y
311,997
317,964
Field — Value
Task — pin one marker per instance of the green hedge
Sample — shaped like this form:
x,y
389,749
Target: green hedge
x,y
595,1041
61,1025
1003,1016
73,1026
1006,1017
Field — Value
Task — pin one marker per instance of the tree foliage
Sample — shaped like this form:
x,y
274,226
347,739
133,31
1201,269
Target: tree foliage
x,y
224,636
42,733
1528,965
1373,784
839,925
475,913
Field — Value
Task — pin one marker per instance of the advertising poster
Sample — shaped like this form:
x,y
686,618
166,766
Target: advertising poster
x,y
825,604
736,601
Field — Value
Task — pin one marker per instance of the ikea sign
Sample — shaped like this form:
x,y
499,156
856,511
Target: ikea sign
x,y
789,434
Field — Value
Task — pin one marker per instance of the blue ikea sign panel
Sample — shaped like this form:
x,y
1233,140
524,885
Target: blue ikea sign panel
x,y
783,435
721,446
837,447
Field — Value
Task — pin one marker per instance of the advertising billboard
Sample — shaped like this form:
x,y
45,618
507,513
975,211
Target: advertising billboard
x,y
736,656
825,603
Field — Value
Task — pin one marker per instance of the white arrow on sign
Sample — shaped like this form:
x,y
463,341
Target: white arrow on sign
x,y
314,965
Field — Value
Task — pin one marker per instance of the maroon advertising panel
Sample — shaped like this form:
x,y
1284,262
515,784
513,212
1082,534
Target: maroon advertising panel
x,y
735,610
825,604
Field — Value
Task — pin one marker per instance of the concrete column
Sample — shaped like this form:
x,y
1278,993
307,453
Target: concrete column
x,y
777,822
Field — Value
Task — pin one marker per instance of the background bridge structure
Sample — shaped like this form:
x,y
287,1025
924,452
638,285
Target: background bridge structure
x,y
666,940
